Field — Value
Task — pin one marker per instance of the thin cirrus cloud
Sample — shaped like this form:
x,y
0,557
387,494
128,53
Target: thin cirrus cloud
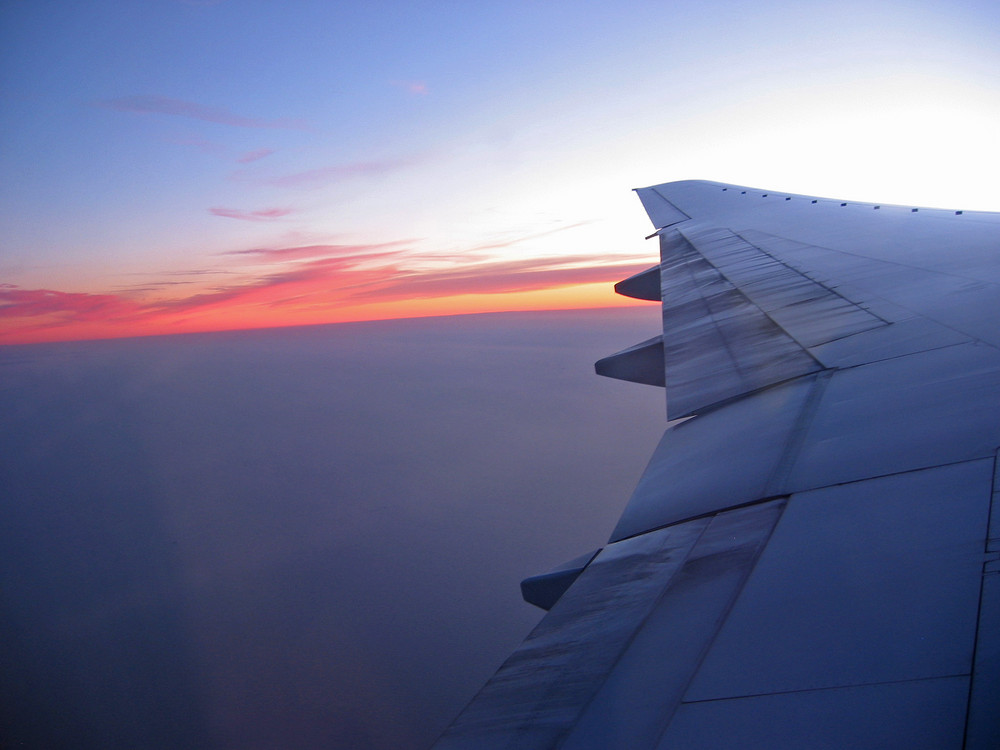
x,y
282,254
62,308
162,105
336,172
500,244
264,214
156,286
310,284
331,273
251,156
16,302
359,271
356,278
502,277
418,88
201,144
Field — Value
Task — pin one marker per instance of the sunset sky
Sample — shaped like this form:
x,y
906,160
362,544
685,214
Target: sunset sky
x,y
186,165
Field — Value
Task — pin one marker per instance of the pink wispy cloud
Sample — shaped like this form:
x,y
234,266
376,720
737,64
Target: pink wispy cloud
x,y
16,302
354,274
331,273
162,105
250,156
264,214
281,254
389,274
325,175
62,308
418,88
501,277
202,144
305,284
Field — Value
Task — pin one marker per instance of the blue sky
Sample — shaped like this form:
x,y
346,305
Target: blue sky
x,y
151,151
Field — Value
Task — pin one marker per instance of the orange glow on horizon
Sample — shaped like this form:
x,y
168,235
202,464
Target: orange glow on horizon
x,y
257,311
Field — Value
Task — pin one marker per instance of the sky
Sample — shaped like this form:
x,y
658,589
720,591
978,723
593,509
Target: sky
x,y
314,535
190,165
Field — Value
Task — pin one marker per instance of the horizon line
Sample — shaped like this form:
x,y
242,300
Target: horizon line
x,y
625,303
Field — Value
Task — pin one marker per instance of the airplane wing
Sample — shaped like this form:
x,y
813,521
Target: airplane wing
x,y
812,557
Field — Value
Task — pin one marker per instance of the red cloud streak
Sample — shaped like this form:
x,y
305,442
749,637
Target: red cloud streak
x,y
162,105
250,156
325,175
357,283
264,214
281,254
32,303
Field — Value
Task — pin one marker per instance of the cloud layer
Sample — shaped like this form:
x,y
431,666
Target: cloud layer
x,y
309,283
162,105
251,156
281,254
264,214
335,172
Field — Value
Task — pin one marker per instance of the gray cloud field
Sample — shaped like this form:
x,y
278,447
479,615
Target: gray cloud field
x,y
300,537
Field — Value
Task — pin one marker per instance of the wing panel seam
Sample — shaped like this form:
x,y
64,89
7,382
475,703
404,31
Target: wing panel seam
x,y
828,688
724,615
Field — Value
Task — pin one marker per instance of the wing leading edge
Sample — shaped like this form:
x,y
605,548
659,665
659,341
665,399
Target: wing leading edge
x,y
812,558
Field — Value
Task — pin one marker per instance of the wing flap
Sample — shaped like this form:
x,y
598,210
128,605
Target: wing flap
x,y
809,311
644,285
573,668
717,344
642,363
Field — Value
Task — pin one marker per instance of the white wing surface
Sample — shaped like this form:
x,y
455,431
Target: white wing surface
x,y
811,559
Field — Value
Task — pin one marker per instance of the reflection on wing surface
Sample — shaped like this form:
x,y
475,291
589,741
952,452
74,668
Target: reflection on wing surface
x,y
811,559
